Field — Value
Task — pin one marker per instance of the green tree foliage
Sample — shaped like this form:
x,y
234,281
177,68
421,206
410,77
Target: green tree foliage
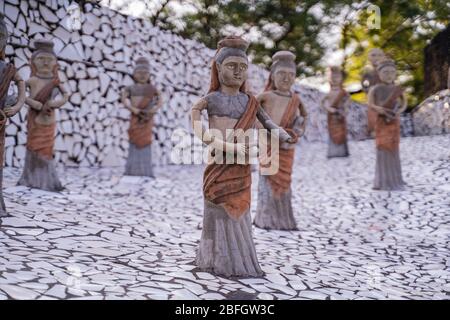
x,y
406,28
272,25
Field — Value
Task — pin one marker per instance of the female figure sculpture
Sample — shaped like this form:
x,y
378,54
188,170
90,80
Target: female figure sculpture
x,y
226,245
44,84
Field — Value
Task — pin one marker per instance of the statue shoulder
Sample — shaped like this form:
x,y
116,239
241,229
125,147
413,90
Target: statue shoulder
x,y
377,87
264,97
32,80
200,104
211,95
212,98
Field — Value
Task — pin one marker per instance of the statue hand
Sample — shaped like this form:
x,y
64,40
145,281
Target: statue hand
x,y
241,149
47,109
38,105
291,140
10,111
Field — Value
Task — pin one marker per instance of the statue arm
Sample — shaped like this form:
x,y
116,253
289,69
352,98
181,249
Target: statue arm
x,y
325,104
158,104
268,123
372,105
34,104
124,98
206,136
11,111
261,98
299,126
404,104
304,115
56,103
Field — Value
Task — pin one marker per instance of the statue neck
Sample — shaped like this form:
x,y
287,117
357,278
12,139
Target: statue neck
x,y
44,76
282,93
231,91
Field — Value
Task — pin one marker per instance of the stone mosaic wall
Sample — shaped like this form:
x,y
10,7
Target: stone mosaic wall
x,y
95,63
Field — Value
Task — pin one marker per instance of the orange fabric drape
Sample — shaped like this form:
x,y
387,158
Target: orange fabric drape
x,y
229,185
40,138
337,124
140,131
5,80
387,134
281,181
6,77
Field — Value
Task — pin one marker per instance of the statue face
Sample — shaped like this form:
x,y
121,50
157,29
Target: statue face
x,y
388,74
45,63
375,56
3,38
335,78
141,75
233,71
283,78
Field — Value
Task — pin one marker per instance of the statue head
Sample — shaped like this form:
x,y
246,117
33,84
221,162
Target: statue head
x,y
282,71
230,64
141,73
3,35
375,56
335,76
43,60
387,71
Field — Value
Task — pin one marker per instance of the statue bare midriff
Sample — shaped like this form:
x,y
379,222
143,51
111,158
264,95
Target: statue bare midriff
x,y
35,84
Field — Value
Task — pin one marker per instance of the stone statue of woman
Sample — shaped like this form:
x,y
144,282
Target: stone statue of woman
x,y
8,75
143,100
389,101
46,94
336,103
369,79
226,245
274,208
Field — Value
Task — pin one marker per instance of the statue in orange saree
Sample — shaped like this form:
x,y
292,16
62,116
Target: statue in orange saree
x,y
336,103
46,94
274,208
226,245
389,101
8,108
143,100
